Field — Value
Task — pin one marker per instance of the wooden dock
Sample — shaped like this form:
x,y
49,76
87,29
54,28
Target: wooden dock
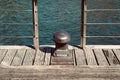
x,y
92,63
83,63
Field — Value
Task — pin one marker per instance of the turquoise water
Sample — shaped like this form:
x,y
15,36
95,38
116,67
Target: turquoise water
x,y
55,15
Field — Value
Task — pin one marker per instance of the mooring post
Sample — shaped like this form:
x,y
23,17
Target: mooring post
x,y
83,23
35,24
61,40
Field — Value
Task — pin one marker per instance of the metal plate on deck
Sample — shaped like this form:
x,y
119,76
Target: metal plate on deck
x,y
63,60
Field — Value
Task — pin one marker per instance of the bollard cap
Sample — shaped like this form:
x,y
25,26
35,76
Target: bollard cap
x,y
61,37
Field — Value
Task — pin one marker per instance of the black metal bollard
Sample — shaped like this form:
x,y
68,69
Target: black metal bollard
x,y
61,40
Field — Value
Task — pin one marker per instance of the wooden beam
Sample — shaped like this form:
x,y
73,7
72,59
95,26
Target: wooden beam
x,y
91,60
80,57
29,57
101,59
83,23
60,73
35,24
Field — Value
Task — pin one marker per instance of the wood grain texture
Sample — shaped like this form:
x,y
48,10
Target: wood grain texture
x,y
100,57
35,24
29,57
9,57
2,54
17,61
90,56
61,73
117,53
111,57
40,58
80,57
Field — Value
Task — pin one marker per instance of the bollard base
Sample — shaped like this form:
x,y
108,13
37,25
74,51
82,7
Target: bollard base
x,y
59,52
63,58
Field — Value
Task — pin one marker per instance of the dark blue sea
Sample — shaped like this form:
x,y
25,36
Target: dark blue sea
x,y
56,15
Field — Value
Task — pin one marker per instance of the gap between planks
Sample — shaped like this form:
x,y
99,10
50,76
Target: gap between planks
x,y
30,57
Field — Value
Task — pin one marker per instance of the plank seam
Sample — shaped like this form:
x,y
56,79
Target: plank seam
x,y
34,58
116,56
106,57
24,57
95,57
75,59
4,56
13,57
85,57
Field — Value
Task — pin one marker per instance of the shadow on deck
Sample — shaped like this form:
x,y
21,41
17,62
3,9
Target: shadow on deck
x,y
21,62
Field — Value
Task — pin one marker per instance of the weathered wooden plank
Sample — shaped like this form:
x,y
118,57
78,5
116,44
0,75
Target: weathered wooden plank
x,y
100,57
110,57
35,24
90,56
117,53
2,54
29,57
103,46
9,57
47,56
15,47
83,23
80,57
17,61
40,58
60,73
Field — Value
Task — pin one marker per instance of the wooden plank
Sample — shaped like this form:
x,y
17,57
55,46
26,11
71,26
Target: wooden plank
x,y
17,61
100,57
47,56
35,24
29,57
40,58
110,57
90,56
60,73
9,57
15,47
103,46
2,54
80,57
83,23
117,53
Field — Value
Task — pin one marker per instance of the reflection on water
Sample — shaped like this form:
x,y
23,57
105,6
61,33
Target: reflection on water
x,y
57,15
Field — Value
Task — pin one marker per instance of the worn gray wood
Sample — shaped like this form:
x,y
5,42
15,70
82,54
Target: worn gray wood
x,y
29,57
2,54
117,53
90,56
100,57
80,57
83,23
47,56
17,61
35,24
9,57
40,58
60,73
111,57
